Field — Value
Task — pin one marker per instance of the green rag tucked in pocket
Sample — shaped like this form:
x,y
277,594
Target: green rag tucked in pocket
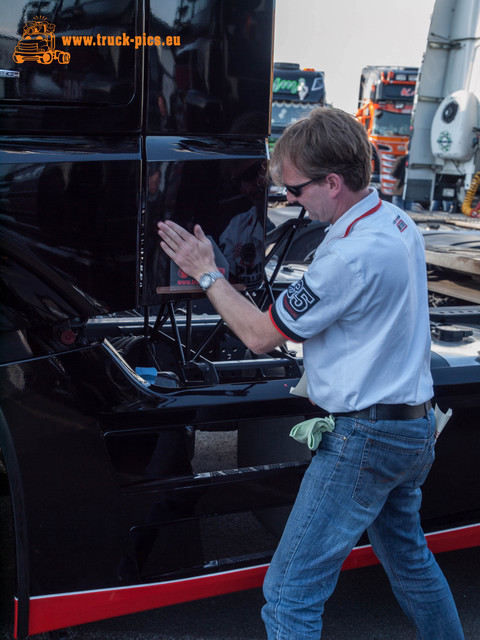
x,y
310,431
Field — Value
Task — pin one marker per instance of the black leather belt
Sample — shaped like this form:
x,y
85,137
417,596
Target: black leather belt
x,y
389,412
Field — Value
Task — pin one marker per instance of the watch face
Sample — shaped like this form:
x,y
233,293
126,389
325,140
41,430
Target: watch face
x,y
205,281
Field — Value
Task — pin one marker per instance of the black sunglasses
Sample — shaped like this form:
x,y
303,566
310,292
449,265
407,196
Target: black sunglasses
x,y
296,190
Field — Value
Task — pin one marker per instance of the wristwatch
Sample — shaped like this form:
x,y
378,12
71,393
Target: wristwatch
x,y
209,278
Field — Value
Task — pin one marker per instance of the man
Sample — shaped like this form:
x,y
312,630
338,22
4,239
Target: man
x,y
362,312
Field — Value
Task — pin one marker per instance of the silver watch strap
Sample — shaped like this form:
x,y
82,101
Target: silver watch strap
x,y
214,275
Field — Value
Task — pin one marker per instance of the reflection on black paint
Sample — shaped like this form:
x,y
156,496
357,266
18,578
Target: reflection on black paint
x,y
220,71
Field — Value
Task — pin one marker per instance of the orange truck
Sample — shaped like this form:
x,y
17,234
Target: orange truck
x,y
385,104
38,44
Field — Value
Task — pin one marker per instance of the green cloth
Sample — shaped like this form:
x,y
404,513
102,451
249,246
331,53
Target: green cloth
x,y
310,431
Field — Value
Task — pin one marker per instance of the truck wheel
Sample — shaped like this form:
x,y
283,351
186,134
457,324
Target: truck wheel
x,y
304,246
18,59
305,243
268,442
63,57
46,58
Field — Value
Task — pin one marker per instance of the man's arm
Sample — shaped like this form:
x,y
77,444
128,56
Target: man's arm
x,y
194,255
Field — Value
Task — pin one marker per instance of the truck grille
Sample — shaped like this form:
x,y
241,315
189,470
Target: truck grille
x,y
27,47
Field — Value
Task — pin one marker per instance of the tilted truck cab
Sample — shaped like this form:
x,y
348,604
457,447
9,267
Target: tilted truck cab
x,y
385,103
146,450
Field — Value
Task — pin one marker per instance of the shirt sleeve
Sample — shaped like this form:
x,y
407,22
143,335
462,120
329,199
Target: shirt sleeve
x,y
328,291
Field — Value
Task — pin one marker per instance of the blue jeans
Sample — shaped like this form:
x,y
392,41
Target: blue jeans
x,y
366,475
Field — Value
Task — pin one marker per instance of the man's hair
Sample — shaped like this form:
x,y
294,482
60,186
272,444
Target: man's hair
x,y
326,141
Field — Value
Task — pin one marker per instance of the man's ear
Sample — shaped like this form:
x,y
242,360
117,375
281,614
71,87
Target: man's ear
x,y
334,182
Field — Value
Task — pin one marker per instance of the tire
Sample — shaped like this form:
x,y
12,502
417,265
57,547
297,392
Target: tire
x,y
305,243
63,57
46,58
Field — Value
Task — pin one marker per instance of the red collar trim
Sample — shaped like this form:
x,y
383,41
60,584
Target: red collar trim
x,y
368,213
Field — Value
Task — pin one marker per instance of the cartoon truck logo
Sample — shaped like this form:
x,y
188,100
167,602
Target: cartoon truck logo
x,y
38,43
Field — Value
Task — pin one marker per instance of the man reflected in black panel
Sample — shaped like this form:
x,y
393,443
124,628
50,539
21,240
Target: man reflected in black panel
x,y
242,242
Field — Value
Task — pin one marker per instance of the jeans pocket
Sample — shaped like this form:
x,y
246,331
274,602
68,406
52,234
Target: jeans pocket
x,y
426,466
383,467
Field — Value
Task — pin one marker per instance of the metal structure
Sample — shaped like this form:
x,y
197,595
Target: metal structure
x,y
444,162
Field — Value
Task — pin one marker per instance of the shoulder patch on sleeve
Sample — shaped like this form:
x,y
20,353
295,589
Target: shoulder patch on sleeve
x,y
299,299
400,224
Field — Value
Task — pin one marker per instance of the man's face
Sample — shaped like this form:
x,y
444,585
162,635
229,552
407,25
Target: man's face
x,y
314,196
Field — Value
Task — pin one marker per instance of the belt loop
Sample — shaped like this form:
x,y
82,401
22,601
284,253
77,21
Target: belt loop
x,y
373,413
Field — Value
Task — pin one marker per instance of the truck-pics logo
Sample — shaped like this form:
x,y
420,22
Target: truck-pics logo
x,y
38,43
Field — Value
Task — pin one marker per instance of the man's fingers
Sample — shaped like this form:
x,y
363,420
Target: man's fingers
x,y
174,230
178,232
192,253
176,243
170,252
198,231
176,237
168,233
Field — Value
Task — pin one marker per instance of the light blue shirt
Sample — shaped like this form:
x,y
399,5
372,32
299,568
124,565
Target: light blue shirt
x,y
362,312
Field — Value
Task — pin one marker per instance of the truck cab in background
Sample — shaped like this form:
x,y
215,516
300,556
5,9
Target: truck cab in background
x,y
385,103
295,92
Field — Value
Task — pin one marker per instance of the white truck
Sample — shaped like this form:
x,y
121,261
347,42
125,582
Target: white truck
x,y
444,155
